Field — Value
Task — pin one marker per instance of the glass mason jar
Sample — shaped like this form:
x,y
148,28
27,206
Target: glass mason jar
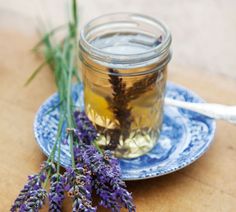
x,y
123,58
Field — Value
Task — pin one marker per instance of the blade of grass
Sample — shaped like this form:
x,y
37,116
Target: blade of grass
x,y
52,32
76,40
35,72
75,15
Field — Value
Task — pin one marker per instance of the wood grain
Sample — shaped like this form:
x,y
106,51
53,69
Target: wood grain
x,y
207,185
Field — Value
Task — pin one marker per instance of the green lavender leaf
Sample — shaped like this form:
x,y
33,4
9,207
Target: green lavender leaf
x,y
35,72
52,32
61,56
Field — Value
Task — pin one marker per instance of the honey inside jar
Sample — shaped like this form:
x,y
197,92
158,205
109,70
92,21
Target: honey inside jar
x,y
124,98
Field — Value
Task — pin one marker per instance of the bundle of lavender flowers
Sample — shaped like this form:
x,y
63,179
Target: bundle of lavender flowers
x,y
91,170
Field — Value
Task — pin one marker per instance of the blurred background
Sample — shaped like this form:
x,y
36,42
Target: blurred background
x,y
204,31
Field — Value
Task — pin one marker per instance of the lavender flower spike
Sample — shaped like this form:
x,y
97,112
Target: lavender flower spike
x,y
24,193
108,183
56,194
75,184
35,201
33,190
105,168
117,184
85,131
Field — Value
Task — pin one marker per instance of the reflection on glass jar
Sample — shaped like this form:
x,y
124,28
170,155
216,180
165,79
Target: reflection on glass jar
x,y
124,64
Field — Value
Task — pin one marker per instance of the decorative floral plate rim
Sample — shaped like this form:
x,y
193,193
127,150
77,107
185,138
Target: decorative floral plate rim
x,y
193,134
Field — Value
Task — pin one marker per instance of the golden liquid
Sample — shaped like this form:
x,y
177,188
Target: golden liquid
x,y
128,119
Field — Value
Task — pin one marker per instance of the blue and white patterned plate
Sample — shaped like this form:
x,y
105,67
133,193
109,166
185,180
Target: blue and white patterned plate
x,y
185,136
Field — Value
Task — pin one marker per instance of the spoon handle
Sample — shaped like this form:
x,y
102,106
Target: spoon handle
x,y
215,111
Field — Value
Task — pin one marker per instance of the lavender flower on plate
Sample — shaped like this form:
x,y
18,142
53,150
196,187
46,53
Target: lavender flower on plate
x,y
104,167
76,183
109,185
85,131
56,193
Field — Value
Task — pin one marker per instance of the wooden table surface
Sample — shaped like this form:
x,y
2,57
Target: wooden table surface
x,y
209,184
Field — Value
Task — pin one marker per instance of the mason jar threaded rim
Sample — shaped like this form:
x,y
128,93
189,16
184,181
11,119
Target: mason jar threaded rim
x,y
159,54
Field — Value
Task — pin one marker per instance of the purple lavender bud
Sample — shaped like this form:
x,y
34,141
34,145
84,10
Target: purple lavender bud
x,y
85,131
33,185
82,205
35,201
89,156
56,193
105,168
108,198
48,166
77,184
82,153
118,185
24,193
108,183
107,177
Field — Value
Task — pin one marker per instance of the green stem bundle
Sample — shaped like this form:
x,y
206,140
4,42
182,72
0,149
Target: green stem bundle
x,y
61,57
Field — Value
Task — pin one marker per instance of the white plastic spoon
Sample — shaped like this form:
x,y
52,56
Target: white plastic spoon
x,y
215,111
